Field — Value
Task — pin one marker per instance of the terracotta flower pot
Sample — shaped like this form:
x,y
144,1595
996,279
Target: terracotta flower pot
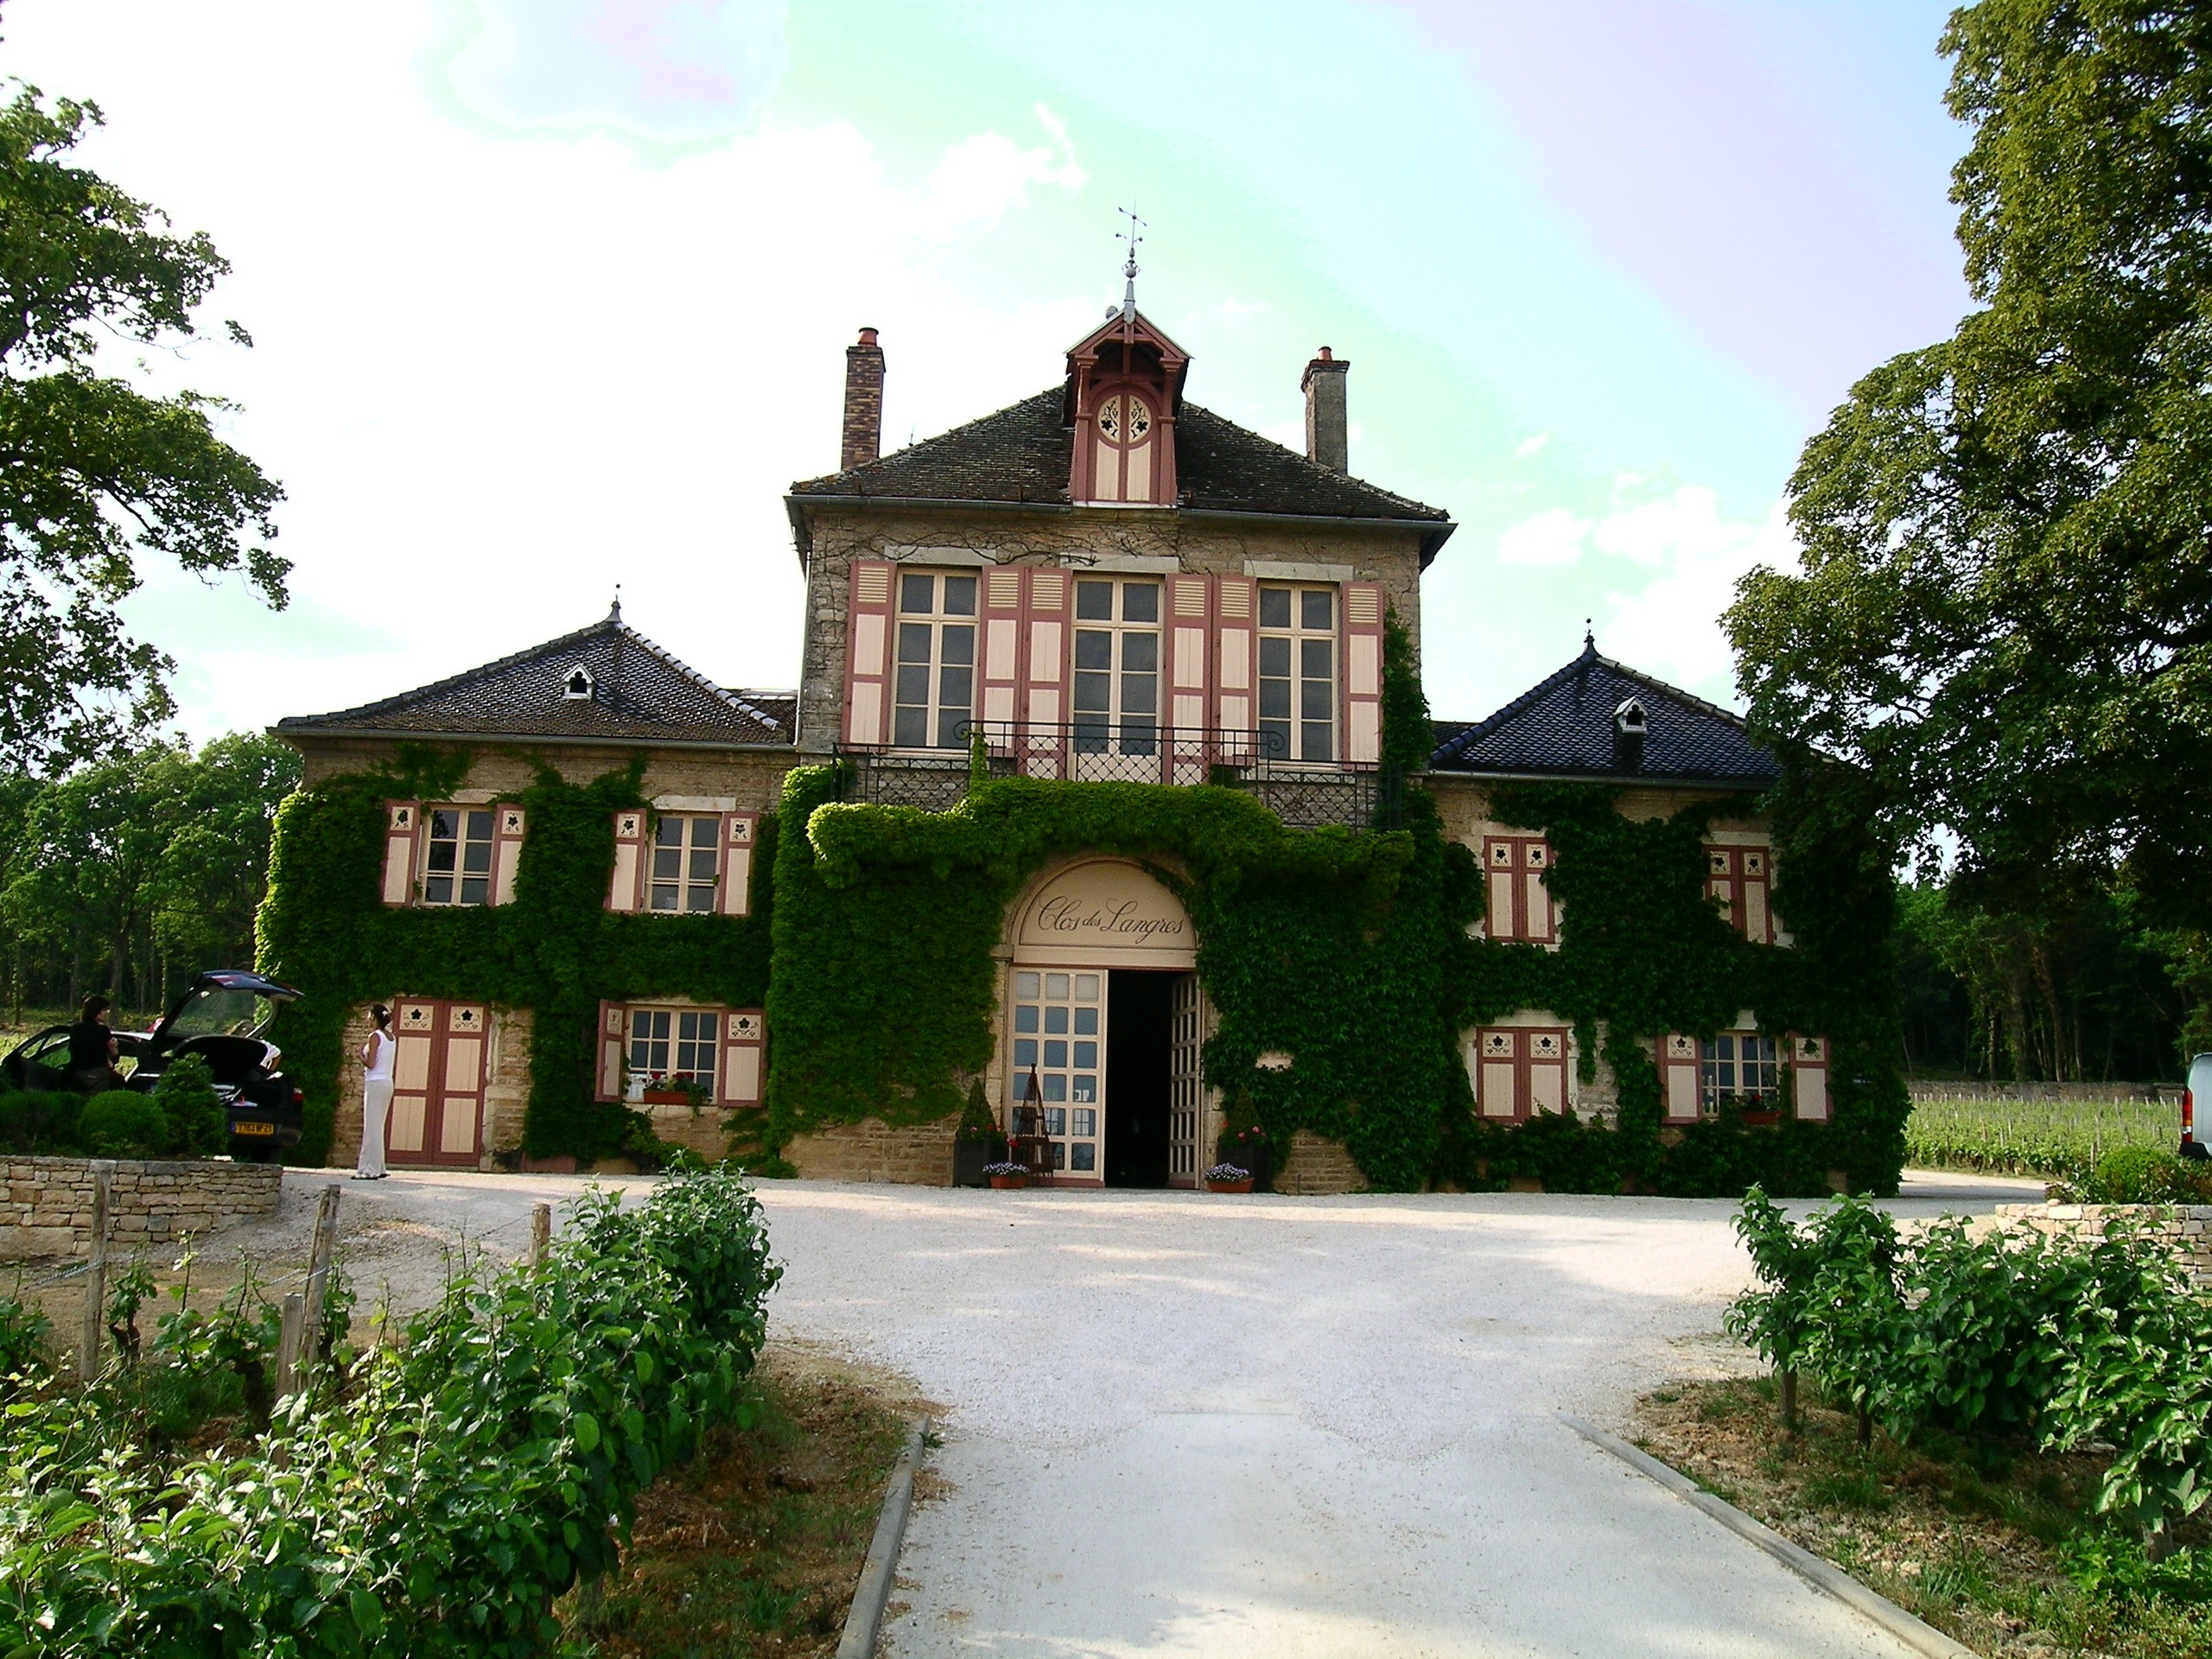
x,y
1244,1185
1009,1183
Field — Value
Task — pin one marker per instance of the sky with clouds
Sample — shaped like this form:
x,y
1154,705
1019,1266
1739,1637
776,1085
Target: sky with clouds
x,y
548,294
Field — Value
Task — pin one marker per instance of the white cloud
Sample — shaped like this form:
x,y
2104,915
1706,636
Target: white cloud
x,y
1671,625
1553,536
982,177
1531,445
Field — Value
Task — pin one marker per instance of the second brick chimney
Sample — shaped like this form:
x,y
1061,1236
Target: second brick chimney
x,y
1327,440
863,434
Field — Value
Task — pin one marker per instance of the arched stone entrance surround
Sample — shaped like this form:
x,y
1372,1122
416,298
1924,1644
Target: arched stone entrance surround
x,y
1100,1012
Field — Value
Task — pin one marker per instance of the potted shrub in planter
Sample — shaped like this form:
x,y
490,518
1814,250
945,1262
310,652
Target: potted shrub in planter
x,y
1228,1178
1247,1148
1006,1177
976,1143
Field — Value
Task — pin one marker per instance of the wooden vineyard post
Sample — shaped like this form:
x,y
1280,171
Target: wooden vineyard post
x,y
541,1232
319,1258
88,1345
290,1334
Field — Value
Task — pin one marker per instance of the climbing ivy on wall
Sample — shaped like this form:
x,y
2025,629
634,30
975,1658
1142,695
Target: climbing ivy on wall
x,y
556,950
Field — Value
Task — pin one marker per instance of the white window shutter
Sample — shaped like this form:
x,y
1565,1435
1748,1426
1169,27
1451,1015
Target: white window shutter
x,y
626,887
402,844
739,831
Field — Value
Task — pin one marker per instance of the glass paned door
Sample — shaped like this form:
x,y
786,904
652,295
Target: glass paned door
x,y
934,690
1117,702
1186,1088
1059,1038
1298,673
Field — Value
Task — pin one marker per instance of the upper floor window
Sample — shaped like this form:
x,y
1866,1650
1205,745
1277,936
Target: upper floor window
x,y
934,679
1520,906
457,865
1297,672
1116,701
686,862
1740,878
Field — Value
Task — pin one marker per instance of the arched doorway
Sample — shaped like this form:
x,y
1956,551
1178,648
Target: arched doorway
x,y
1105,1021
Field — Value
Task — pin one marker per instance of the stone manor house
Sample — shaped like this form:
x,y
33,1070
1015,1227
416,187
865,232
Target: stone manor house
x,y
1102,580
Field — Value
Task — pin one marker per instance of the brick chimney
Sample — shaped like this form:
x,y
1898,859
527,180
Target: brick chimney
x,y
1327,439
863,436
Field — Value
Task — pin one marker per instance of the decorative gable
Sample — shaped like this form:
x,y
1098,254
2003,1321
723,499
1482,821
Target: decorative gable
x,y
1125,383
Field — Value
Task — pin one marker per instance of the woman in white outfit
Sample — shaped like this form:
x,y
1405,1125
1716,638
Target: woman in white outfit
x,y
376,1094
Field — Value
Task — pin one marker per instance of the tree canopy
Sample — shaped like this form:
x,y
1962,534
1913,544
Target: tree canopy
x,y
94,470
2005,612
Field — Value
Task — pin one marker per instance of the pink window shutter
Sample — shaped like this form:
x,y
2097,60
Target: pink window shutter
x,y
625,888
1757,867
508,825
1189,659
739,831
1002,644
1362,671
612,1017
745,1037
1535,890
1808,1063
1236,656
867,653
1044,667
402,850
1678,1078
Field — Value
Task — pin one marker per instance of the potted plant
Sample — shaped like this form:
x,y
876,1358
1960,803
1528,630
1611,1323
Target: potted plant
x,y
1247,1148
1228,1178
661,1090
977,1142
1006,1177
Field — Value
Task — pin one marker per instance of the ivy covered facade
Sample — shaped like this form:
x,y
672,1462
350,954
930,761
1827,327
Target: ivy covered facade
x,y
1108,809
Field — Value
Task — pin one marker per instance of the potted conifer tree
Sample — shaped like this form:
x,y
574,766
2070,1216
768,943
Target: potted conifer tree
x,y
977,1141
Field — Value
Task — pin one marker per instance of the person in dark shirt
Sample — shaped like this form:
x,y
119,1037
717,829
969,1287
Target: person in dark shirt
x,y
92,1047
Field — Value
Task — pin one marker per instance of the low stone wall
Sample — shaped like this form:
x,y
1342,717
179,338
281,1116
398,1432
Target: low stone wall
x,y
920,1154
49,1207
1318,1168
2187,1228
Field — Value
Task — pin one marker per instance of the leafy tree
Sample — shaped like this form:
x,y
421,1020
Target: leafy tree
x,y
2005,607
93,469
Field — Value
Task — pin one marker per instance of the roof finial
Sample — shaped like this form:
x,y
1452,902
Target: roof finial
x,y
614,611
1589,639
1132,236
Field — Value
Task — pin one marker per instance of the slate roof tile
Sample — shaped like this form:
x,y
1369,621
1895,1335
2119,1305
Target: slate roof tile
x,y
639,691
1023,452
1563,727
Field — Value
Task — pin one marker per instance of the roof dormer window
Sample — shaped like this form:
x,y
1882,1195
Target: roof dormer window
x,y
1627,719
579,686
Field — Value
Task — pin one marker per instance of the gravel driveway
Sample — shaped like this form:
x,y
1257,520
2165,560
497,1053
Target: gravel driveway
x,y
1176,1423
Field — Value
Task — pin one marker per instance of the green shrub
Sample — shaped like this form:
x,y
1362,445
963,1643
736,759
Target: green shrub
x,y
2145,1175
36,1120
198,1123
119,1124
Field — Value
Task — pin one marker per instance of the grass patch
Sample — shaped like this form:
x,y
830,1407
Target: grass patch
x,y
755,1548
1992,1542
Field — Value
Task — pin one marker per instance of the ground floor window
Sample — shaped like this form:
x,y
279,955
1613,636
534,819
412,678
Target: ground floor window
x,y
1520,1070
1737,1065
677,1045
1059,1033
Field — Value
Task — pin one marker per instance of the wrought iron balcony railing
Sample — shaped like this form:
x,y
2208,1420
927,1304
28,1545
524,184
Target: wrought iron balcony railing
x,y
1303,794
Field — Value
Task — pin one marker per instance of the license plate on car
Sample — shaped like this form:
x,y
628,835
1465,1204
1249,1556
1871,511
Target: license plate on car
x,y
253,1128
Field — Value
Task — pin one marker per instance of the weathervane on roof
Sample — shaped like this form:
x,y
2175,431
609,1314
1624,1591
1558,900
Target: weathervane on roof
x,y
1589,639
1132,236
614,611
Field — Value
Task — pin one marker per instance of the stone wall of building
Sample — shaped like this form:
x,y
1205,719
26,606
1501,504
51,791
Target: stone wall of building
x,y
2186,1229
1318,1168
920,1154
47,1209
753,778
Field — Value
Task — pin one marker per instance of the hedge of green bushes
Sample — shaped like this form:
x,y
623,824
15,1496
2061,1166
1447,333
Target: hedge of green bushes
x,y
431,1496
184,1117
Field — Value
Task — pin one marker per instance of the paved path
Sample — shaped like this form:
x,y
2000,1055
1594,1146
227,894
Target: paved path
x,y
1179,1424
1188,1425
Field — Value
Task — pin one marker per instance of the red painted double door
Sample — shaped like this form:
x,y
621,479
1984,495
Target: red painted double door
x,y
438,1078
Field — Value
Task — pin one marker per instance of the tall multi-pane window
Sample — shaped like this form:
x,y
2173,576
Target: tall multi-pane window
x,y
1060,1038
935,685
674,1043
686,851
1117,667
458,870
1737,1065
1297,672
